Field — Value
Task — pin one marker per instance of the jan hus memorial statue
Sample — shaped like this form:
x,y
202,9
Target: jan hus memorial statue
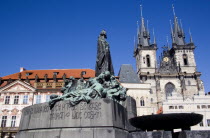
x,y
91,108
103,61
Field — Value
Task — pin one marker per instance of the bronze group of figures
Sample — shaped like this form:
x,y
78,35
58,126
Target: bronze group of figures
x,y
103,86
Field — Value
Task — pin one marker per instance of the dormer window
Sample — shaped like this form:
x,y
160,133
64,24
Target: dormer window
x,y
55,73
28,73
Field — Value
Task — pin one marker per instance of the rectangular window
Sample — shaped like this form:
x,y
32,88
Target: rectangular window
x,y
38,99
25,99
208,122
13,121
201,124
16,99
171,107
208,106
4,121
47,98
181,107
203,106
7,99
198,106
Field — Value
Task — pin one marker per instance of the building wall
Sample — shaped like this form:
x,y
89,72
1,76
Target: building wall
x,y
191,67
142,63
199,104
141,92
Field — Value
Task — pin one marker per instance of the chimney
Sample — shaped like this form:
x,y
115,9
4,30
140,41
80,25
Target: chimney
x,y
22,69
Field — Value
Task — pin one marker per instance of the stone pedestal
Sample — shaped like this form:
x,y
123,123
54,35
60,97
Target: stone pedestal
x,y
102,118
194,134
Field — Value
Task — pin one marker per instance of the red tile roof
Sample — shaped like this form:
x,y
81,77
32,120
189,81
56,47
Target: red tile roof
x,y
76,73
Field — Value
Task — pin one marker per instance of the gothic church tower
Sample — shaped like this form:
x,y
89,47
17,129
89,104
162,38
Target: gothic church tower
x,y
176,73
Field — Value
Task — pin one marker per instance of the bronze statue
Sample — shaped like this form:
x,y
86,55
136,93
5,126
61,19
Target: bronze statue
x,y
103,86
103,61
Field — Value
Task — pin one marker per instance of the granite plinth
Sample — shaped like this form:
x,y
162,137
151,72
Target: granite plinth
x,y
194,134
88,120
154,134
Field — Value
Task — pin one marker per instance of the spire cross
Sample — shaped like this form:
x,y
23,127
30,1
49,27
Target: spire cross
x,y
173,10
141,11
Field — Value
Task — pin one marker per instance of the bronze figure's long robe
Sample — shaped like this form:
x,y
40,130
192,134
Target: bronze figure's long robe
x,y
103,61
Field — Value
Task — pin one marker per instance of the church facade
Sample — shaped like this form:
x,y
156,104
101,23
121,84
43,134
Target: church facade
x,y
174,79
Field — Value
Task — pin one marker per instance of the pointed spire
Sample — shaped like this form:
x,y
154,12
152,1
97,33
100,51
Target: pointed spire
x,y
178,34
135,43
191,39
172,33
181,26
167,43
154,36
138,33
143,33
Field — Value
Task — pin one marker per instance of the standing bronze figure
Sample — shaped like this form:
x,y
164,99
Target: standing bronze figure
x,y
103,61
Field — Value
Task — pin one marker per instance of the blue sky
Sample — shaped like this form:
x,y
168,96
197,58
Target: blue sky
x,y
62,34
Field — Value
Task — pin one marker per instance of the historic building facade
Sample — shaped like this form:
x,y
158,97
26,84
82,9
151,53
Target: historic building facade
x,y
29,87
174,78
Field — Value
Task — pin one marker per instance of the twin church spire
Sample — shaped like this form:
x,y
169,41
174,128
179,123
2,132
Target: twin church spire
x,y
143,34
177,32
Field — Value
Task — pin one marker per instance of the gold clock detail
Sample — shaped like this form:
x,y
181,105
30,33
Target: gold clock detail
x,y
165,59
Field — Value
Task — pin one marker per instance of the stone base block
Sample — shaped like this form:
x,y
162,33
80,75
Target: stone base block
x,y
194,134
74,133
152,134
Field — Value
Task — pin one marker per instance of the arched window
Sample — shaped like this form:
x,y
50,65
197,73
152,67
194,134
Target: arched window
x,y
185,59
148,61
142,102
169,88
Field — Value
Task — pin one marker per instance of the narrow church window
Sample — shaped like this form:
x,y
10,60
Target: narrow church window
x,y
151,100
169,88
148,60
208,122
144,59
142,102
201,123
185,59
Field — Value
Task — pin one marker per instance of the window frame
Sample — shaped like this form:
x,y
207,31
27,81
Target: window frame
x,y
4,121
16,99
7,100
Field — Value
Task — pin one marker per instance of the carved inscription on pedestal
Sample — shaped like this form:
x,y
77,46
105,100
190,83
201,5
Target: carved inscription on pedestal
x,y
64,110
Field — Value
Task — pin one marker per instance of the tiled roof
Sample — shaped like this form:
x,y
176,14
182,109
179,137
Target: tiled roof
x,y
76,73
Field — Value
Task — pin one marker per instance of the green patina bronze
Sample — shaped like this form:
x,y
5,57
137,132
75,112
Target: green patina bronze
x,y
103,86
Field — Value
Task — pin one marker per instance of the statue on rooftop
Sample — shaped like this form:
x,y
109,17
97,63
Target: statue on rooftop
x,y
103,86
103,61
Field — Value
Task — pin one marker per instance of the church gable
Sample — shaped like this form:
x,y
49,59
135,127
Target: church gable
x,y
17,86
